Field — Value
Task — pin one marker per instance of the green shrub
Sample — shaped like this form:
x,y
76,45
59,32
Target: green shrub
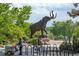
x,y
60,37
64,46
1,39
34,41
76,43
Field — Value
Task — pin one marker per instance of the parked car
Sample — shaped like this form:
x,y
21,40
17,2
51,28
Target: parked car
x,y
9,50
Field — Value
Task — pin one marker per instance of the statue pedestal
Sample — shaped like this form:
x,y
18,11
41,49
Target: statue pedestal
x,y
43,40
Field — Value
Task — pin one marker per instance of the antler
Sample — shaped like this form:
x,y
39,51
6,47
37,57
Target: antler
x,y
50,14
75,4
54,16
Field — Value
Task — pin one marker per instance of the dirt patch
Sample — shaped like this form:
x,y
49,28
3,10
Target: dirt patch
x,y
57,42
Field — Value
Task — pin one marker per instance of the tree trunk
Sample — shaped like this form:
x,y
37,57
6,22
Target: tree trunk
x,y
69,40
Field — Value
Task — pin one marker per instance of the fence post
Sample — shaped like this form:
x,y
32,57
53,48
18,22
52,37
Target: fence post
x,y
43,49
64,52
50,50
55,47
60,52
68,52
72,52
46,49
33,50
56,51
39,50
53,51
26,50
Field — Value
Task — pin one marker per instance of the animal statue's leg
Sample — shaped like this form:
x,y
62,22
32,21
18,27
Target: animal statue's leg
x,y
41,32
45,31
31,33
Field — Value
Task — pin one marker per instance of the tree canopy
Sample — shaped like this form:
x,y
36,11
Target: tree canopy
x,y
65,28
13,20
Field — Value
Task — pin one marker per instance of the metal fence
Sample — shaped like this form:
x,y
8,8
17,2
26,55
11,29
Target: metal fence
x,y
47,50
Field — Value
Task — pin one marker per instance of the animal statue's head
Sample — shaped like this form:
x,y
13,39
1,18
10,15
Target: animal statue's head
x,y
75,4
51,16
73,13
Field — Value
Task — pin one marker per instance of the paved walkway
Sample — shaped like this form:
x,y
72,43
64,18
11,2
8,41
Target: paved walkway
x,y
57,42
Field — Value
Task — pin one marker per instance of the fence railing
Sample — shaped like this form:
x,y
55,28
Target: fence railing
x,y
47,50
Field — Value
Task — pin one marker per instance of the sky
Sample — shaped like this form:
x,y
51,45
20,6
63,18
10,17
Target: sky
x,y
39,10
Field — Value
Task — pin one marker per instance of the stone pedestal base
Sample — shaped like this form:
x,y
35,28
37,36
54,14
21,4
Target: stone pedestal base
x,y
43,40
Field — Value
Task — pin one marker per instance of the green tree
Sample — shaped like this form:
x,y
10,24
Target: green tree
x,y
76,29
13,21
69,27
64,28
58,29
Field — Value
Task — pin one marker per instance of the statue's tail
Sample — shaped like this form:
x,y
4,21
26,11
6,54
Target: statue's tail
x,y
30,31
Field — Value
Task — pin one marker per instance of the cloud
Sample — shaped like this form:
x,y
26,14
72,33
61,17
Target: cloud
x,y
39,10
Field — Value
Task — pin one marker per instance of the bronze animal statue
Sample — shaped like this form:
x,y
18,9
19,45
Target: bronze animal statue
x,y
74,12
75,4
41,25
